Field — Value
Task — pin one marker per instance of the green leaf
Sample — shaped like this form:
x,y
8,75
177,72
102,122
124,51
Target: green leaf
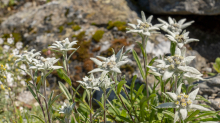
x,y
37,117
120,84
150,64
72,53
143,101
124,119
65,91
192,116
114,108
216,66
132,85
53,100
33,93
63,76
172,48
169,113
138,63
138,93
100,104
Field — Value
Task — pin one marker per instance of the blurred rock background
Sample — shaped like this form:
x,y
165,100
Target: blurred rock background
x,y
100,25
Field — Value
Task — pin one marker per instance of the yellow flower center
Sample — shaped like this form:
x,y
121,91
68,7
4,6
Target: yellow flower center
x,y
183,104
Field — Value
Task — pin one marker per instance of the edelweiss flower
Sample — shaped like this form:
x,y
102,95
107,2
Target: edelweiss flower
x,y
106,83
182,103
111,64
45,64
174,65
66,109
19,45
10,40
191,77
1,41
180,39
64,45
90,82
173,26
27,56
143,27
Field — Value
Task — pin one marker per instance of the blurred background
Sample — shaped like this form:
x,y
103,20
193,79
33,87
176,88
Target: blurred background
x,y
99,25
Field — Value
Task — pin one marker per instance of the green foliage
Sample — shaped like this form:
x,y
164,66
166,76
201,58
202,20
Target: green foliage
x,y
216,66
76,27
98,35
119,24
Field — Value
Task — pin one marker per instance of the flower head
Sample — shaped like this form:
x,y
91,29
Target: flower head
x,y
19,45
182,103
173,26
180,39
1,41
27,56
10,40
66,109
90,82
105,83
44,64
110,64
143,27
173,65
64,45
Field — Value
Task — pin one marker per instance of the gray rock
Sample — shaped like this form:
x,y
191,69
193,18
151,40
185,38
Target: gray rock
x,y
200,7
209,86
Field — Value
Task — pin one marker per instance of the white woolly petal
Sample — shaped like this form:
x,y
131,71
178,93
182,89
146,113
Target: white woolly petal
x,y
172,95
115,69
183,113
146,33
176,117
180,45
167,105
132,25
199,107
191,40
102,58
56,67
186,24
188,59
170,20
96,70
167,74
149,19
139,21
154,28
171,38
193,94
119,54
181,21
143,16
162,21
96,61
178,91
121,63
188,69
178,51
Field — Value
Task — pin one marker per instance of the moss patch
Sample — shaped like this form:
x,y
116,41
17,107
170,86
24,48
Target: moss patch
x,y
76,27
119,24
98,35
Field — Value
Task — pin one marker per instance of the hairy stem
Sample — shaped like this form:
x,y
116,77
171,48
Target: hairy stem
x,y
90,105
104,105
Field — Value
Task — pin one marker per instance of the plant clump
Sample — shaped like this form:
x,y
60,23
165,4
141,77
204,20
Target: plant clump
x,y
121,26
98,35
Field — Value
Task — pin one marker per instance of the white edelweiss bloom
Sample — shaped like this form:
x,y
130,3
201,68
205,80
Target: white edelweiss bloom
x,y
182,103
66,109
174,65
90,82
1,41
45,64
64,45
23,66
111,64
6,48
180,39
15,51
105,83
27,56
19,45
144,27
10,40
191,77
173,26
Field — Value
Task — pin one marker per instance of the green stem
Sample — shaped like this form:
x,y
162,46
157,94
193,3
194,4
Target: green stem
x,y
90,105
104,105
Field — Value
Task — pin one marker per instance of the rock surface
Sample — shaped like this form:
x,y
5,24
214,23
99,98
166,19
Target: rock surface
x,y
200,7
